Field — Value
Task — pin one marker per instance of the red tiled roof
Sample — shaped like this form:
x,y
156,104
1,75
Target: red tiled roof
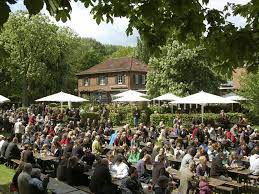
x,y
116,65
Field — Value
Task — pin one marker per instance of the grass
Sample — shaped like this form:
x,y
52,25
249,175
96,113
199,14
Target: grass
x,y
6,175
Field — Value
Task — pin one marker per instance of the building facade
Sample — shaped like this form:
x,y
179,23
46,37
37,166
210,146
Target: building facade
x,y
110,77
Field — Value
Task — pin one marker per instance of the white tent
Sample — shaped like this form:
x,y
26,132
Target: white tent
x,y
131,98
203,99
61,97
233,96
129,93
3,99
167,97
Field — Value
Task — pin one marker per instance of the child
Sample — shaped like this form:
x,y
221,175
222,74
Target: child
x,y
204,185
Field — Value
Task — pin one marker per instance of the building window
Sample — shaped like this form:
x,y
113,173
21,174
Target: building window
x,y
140,79
86,82
102,80
144,79
136,79
120,79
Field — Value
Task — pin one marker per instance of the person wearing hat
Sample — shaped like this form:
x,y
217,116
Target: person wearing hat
x,y
119,170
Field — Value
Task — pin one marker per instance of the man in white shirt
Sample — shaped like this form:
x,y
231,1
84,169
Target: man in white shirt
x,y
254,161
19,130
119,170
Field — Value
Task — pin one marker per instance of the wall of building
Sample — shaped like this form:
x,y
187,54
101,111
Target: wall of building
x,y
111,83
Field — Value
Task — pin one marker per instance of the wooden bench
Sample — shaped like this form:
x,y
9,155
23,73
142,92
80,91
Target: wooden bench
x,y
235,184
16,161
84,188
225,189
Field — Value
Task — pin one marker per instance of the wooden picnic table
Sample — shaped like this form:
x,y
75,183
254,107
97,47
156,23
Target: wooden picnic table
x,y
244,172
174,159
59,187
44,157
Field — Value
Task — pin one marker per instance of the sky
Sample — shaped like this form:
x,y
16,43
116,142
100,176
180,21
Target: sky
x,y
83,23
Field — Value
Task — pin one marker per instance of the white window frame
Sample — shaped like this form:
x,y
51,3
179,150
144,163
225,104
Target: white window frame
x,y
120,79
86,81
102,81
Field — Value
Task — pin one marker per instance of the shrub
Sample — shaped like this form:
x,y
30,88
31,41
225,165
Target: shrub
x,y
92,115
188,119
116,118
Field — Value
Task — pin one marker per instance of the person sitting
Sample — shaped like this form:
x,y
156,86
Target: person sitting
x,y
202,169
162,186
134,155
204,186
77,149
178,152
24,179
131,184
4,146
101,181
201,152
148,149
233,160
158,169
243,150
141,168
56,149
36,184
62,167
88,157
254,161
188,158
119,170
96,146
12,151
74,173
217,169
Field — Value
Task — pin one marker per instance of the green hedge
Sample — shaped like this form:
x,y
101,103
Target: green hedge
x,y
187,119
91,115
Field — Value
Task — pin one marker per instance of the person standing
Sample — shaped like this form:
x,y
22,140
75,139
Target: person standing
x,y
136,116
19,130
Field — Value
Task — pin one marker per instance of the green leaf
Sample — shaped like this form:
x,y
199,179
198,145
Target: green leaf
x,y
34,6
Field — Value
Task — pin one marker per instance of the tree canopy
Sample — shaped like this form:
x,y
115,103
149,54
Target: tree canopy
x,y
181,70
156,19
39,58
249,88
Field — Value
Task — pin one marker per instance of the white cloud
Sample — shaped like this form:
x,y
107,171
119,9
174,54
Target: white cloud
x,y
82,22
